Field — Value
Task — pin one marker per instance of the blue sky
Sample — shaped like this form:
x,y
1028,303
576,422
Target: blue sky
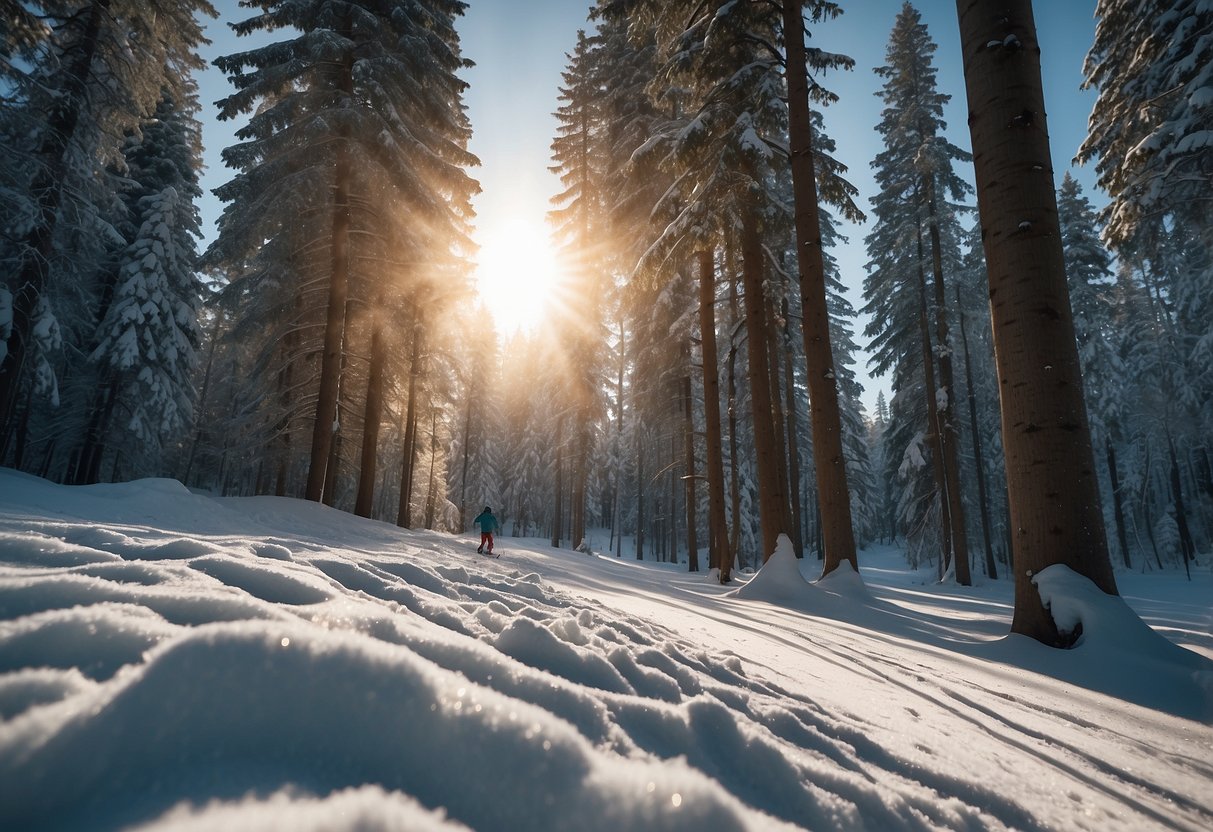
x,y
519,47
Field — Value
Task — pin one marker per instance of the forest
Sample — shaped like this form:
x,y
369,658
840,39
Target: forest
x,y
693,395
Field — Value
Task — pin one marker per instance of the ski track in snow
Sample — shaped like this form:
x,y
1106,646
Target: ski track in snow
x,y
172,661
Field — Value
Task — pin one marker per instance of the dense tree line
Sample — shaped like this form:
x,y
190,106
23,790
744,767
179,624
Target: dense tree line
x,y
695,391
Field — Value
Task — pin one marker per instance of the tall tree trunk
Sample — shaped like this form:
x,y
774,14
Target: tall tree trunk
x,y
618,519
688,400
734,543
772,506
47,187
580,474
431,497
713,440
201,409
334,329
793,425
1117,503
975,431
1051,482
372,416
934,431
829,463
1186,544
285,397
463,478
775,362
91,464
408,452
948,440
558,491
640,496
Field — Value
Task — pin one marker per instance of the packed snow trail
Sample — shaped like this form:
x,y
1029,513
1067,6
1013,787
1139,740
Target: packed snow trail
x,y
171,661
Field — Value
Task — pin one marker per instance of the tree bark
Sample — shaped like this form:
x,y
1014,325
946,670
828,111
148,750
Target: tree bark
x,y
934,431
558,491
793,428
948,439
372,417
334,328
430,496
713,441
1051,482
978,456
408,452
640,497
1122,536
688,402
772,506
829,464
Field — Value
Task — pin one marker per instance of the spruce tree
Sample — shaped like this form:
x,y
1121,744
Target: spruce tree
x,y
351,193
94,70
916,235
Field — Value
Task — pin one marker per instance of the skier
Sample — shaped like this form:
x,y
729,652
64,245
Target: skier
x,y
488,525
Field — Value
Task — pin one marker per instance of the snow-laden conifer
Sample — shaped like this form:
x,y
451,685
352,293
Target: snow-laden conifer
x,y
913,244
92,71
1151,129
351,195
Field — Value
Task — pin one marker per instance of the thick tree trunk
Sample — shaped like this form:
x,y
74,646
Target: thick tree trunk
x,y
948,440
372,416
826,419
713,440
1051,482
29,282
772,505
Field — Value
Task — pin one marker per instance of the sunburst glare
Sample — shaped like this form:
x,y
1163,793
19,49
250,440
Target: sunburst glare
x,y
517,271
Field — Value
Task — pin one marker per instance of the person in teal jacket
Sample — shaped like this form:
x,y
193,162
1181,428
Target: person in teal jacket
x,y
488,525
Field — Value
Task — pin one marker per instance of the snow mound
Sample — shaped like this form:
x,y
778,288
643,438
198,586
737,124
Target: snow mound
x,y
779,580
1149,668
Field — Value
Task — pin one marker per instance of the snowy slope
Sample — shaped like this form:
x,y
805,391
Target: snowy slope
x,y
174,661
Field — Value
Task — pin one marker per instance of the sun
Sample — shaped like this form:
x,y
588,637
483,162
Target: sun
x,y
516,273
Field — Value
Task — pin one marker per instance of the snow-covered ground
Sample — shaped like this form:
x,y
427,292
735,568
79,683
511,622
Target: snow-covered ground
x,y
175,661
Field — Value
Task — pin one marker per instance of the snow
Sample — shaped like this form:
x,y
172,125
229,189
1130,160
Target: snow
x,y
174,661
